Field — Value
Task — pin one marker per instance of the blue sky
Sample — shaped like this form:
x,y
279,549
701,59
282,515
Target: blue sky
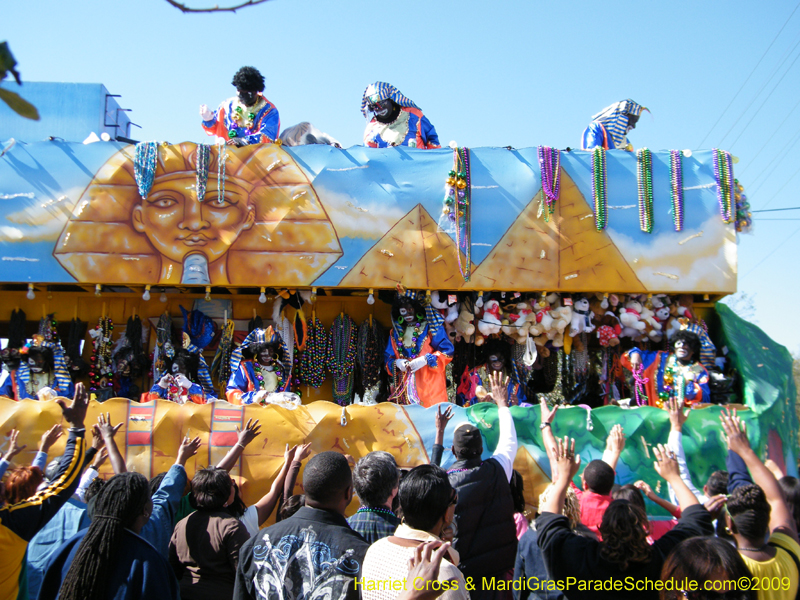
x,y
516,73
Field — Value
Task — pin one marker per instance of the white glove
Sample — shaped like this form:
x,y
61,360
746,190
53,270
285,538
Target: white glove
x,y
260,395
165,381
417,364
183,381
206,113
401,364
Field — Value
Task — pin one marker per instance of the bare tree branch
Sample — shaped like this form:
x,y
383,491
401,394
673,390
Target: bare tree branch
x,y
183,8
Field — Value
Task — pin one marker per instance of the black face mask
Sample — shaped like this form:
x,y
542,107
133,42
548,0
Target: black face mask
x,y
386,111
248,98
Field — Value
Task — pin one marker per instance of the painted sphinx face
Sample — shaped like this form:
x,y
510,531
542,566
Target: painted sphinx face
x,y
177,224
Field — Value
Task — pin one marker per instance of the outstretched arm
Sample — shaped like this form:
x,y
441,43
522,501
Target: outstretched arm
x,y
108,431
506,450
615,443
666,466
442,419
781,519
568,464
548,437
267,503
250,432
677,417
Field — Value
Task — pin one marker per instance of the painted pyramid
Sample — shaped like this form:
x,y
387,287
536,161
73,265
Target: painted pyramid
x,y
413,253
565,254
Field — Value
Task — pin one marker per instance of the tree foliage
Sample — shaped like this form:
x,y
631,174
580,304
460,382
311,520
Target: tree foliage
x,y
15,102
233,8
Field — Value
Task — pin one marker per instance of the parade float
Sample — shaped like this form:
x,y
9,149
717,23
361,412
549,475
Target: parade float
x,y
567,257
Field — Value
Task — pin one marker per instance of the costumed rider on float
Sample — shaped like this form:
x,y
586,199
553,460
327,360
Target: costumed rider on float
x,y
395,120
610,127
183,371
418,353
498,360
248,117
676,374
41,373
261,371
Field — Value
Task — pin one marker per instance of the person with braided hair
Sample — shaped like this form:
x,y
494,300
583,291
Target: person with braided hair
x,y
109,559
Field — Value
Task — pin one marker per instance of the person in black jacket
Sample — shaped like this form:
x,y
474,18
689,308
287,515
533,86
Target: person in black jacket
x,y
623,565
486,535
314,553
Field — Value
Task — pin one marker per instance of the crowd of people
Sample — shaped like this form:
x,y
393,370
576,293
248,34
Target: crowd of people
x,y
420,533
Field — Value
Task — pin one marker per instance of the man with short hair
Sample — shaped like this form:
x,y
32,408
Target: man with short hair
x,y
315,553
486,535
376,479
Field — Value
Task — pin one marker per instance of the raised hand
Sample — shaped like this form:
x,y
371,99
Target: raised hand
x,y
104,426
250,432
188,449
644,486
665,463
499,392
616,440
99,459
13,447
50,437
303,452
548,414
735,432
677,414
75,413
443,418
568,462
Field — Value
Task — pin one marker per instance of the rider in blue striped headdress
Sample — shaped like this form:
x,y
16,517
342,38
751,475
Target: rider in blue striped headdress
x,y
609,128
394,119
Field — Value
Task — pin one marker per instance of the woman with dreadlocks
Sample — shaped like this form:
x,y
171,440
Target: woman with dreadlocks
x,y
109,559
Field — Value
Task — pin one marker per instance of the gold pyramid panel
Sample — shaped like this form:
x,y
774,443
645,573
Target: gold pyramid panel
x,y
413,253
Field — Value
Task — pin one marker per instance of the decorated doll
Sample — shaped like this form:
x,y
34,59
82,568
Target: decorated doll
x,y
42,373
417,354
259,367
178,383
676,374
394,120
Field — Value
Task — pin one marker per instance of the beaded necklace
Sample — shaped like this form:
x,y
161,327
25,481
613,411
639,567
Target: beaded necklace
x,y
144,166
32,386
674,380
550,165
244,116
457,207
375,509
101,354
222,158
639,381
342,358
419,333
203,154
744,220
723,173
644,172
676,183
314,361
262,385
599,188
371,342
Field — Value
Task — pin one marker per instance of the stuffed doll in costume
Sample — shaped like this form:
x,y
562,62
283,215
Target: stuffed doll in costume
x,y
41,373
259,367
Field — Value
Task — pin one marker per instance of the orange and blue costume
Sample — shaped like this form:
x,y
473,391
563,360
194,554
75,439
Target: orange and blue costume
x,y
410,124
257,124
664,373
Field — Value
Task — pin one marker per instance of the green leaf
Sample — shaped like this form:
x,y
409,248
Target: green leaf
x,y
7,62
19,105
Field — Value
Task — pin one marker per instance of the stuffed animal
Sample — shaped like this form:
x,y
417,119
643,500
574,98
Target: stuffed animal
x,y
517,322
491,321
440,303
581,318
562,316
629,318
464,325
660,318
